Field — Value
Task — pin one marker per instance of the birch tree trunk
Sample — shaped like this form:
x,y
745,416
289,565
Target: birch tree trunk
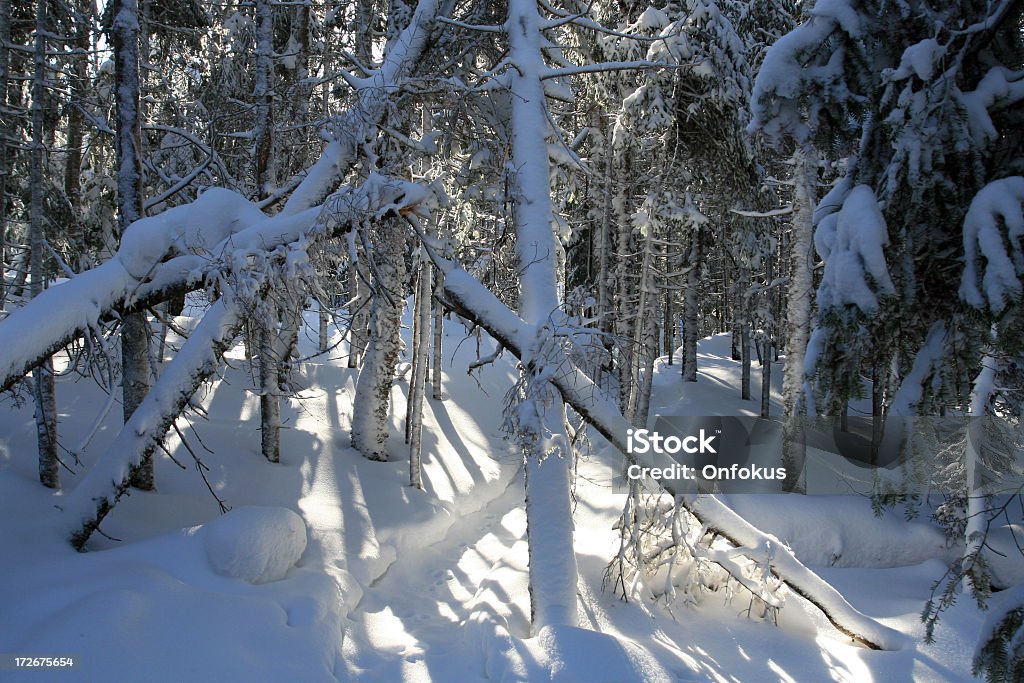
x,y
543,436
800,291
42,377
373,388
798,311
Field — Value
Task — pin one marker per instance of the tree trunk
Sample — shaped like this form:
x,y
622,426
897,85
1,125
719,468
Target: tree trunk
x,y
359,302
263,132
417,387
645,339
322,319
46,412
438,339
800,291
542,430
269,364
745,359
691,308
5,61
373,388
82,16
669,328
135,328
799,296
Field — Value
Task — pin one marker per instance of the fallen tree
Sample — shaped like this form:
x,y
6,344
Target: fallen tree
x,y
240,274
168,254
476,303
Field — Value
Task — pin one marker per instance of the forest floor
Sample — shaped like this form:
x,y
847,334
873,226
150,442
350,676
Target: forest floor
x,y
397,584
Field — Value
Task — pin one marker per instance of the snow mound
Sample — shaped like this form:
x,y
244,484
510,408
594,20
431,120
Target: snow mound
x,y
256,544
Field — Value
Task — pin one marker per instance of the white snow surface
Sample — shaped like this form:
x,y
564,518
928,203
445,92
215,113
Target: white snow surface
x,y
331,568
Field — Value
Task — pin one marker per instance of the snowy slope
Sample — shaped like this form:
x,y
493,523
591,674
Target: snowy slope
x,y
396,584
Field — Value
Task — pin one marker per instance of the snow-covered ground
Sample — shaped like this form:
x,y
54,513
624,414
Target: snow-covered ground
x,y
330,567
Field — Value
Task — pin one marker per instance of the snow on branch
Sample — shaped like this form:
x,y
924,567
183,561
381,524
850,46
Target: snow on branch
x,y
349,130
852,242
108,480
215,234
993,228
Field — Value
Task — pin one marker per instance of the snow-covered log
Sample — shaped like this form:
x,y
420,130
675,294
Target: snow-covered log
x,y
214,234
476,303
200,356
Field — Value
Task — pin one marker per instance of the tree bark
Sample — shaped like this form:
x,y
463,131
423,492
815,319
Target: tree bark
x,y
46,411
136,368
800,291
417,386
436,364
269,364
691,309
373,388
263,132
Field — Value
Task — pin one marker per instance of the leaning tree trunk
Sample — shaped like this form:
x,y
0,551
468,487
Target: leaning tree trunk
x,y
477,304
373,388
46,409
136,369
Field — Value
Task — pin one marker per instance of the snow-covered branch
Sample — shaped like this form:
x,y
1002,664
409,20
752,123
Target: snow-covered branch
x,y
199,357
214,234
353,127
